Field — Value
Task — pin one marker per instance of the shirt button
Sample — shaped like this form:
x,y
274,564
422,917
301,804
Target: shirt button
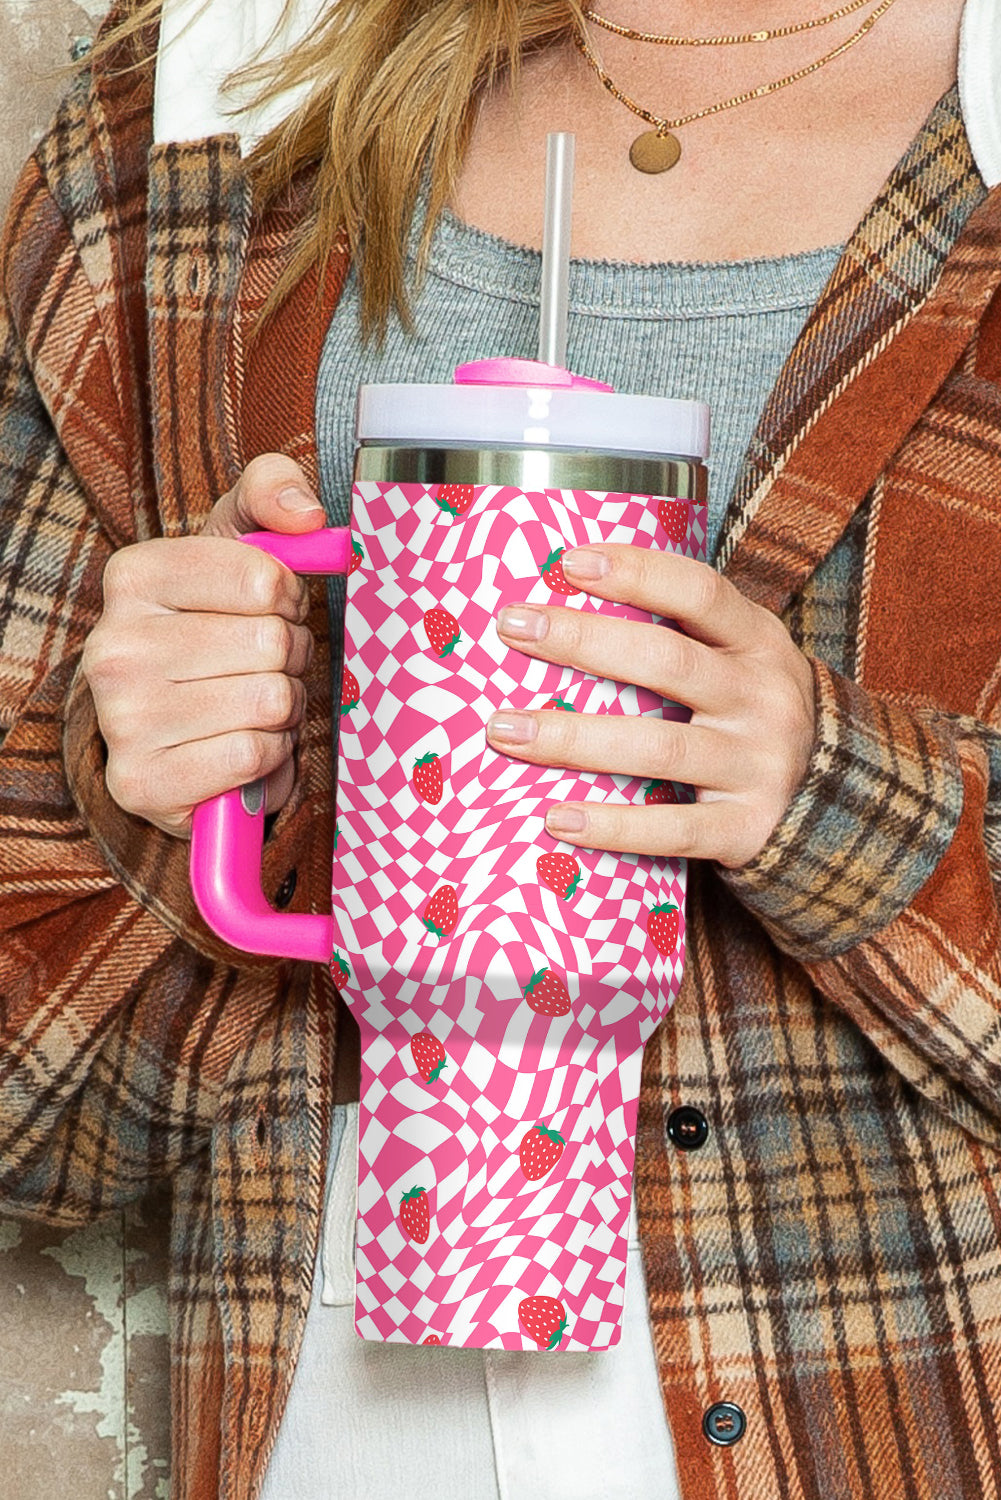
x,y
724,1424
688,1128
285,892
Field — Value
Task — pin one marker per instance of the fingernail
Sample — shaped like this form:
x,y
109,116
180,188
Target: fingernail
x,y
523,624
295,498
566,819
583,562
519,729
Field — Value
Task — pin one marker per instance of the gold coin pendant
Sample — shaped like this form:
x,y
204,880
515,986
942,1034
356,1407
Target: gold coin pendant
x,y
654,152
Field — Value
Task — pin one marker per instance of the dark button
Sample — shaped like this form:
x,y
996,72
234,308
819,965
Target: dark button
x,y
724,1423
688,1128
285,892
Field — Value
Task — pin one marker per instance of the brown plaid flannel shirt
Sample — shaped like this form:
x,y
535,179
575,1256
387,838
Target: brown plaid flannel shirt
x,y
830,1259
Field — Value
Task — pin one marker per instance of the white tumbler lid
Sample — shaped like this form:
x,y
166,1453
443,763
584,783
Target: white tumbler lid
x,y
532,416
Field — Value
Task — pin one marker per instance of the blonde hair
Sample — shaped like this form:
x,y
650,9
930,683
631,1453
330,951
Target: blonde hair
x,y
392,87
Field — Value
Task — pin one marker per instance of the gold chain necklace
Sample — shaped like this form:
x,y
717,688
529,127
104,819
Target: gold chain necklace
x,y
732,40
658,150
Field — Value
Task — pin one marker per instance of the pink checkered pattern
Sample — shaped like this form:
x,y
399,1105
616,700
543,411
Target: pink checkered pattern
x,y
496,1238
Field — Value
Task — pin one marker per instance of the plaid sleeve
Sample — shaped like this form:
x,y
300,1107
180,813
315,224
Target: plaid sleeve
x,y
883,880
116,1032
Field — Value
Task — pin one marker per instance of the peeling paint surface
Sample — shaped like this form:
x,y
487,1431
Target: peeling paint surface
x,y
10,1236
84,1367
83,1359
36,38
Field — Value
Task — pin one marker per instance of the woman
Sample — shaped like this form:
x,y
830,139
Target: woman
x,y
822,1271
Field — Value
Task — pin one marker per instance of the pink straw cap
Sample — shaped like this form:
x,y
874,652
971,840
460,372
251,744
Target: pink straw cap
x,y
524,372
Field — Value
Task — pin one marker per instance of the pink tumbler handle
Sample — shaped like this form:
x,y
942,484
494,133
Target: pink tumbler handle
x,y
227,832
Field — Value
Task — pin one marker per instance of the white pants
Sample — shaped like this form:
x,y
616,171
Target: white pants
x,y
369,1421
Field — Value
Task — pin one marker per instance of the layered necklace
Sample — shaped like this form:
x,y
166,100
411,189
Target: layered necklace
x,y
659,149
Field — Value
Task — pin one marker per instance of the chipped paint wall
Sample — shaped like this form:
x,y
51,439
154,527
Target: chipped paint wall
x,y
84,1399
83,1359
36,38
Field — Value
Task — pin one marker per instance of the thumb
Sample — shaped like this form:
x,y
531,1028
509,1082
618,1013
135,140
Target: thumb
x,y
272,494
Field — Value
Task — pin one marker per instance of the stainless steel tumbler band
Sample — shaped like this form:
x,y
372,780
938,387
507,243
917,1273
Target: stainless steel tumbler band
x,y
535,469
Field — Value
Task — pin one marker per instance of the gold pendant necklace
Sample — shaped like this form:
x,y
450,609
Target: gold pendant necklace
x,y
658,150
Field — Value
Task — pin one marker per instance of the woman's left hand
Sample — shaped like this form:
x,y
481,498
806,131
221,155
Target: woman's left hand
x,y
750,690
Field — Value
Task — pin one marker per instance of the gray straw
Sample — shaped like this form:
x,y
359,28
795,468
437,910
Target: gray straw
x,y
556,248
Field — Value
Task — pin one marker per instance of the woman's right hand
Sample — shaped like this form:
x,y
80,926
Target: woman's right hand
x,y
196,663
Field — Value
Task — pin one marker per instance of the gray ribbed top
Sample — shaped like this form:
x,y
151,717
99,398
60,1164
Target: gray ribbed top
x,y
715,332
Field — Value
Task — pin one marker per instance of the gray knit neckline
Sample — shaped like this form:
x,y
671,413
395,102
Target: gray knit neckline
x,y
483,262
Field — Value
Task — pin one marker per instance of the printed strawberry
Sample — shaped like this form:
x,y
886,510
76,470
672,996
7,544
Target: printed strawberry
x,y
350,691
442,911
539,1151
544,1320
455,499
560,703
340,972
560,872
429,1055
673,516
357,556
659,791
426,778
547,994
415,1215
442,631
662,926
432,1338
337,834
553,575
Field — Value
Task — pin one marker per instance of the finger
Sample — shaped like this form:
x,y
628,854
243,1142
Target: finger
x,y
272,494
188,647
204,574
651,656
195,712
705,604
166,787
689,830
620,744
278,786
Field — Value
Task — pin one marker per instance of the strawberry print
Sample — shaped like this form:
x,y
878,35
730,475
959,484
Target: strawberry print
x,y
426,778
659,791
415,1215
484,1170
455,499
442,631
662,926
428,1054
553,575
673,516
340,971
544,1320
547,994
539,1151
350,691
432,1338
442,911
357,556
560,872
